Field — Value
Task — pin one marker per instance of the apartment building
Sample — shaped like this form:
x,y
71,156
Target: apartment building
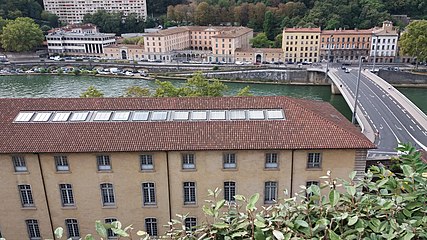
x,y
73,11
384,43
79,40
69,162
345,46
208,43
301,44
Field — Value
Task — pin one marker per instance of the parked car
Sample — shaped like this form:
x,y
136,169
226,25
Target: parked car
x,y
347,70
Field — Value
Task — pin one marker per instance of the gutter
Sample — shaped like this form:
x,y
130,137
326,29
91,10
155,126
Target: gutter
x,y
169,188
292,174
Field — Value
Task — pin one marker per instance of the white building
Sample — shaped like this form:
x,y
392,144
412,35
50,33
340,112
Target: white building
x,y
72,11
82,40
384,43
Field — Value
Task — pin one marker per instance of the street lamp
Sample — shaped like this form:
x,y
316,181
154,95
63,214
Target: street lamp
x,y
353,117
329,52
375,54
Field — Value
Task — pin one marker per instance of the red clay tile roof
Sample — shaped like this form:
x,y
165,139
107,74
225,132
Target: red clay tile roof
x,y
298,29
308,125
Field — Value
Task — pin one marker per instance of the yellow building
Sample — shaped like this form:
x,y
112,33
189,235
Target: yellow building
x,y
301,44
69,162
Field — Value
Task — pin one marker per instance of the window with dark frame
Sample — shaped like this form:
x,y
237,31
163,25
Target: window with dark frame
x,y
26,195
190,223
61,163
147,162
314,160
110,233
229,161
149,193
104,163
188,161
271,160
107,193
151,226
72,228
33,229
189,193
19,164
270,192
229,191
67,196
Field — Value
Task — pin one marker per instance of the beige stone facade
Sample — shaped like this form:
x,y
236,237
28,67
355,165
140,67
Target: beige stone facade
x,y
124,51
259,55
207,44
301,44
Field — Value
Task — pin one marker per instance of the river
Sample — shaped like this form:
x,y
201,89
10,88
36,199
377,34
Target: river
x,y
34,86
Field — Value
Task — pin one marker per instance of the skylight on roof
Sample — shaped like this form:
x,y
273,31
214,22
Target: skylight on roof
x,y
217,115
42,117
199,115
179,115
275,114
24,117
102,116
237,115
121,116
61,116
79,116
140,116
159,116
256,114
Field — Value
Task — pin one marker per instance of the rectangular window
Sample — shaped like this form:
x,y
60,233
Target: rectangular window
x,y
151,226
270,192
229,161
61,163
19,163
271,160
66,194
149,194
314,160
72,228
229,191
33,229
26,195
107,193
110,233
189,193
147,162
188,161
190,223
104,163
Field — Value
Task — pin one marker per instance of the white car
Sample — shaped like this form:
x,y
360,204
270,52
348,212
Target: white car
x,y
239,63
347,70
129,73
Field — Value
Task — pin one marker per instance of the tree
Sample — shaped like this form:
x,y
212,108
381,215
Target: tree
x,y
137,91
261,41
269,25
196,86
203,14
278,41
92,92
413,41
21,35
245,92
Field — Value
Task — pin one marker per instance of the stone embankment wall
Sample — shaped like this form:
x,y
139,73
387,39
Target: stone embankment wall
x,y
286,76
398,77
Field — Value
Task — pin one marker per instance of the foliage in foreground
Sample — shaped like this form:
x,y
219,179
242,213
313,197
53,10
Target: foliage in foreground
x,y
382,205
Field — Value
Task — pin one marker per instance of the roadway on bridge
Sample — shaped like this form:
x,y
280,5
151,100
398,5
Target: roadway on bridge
x,y
387,115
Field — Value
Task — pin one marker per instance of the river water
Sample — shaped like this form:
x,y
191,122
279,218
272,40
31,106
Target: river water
x,y
35,86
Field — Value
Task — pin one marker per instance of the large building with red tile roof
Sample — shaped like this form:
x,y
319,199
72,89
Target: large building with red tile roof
x,y
69,162
301,44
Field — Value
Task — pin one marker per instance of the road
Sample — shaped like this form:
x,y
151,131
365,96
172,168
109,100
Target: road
x,y
388,116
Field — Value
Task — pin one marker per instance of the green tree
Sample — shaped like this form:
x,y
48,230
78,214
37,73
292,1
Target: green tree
x,y
261,41
51,19
21,35
137,91
269,25
278,41
92,92
245,92
413,41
